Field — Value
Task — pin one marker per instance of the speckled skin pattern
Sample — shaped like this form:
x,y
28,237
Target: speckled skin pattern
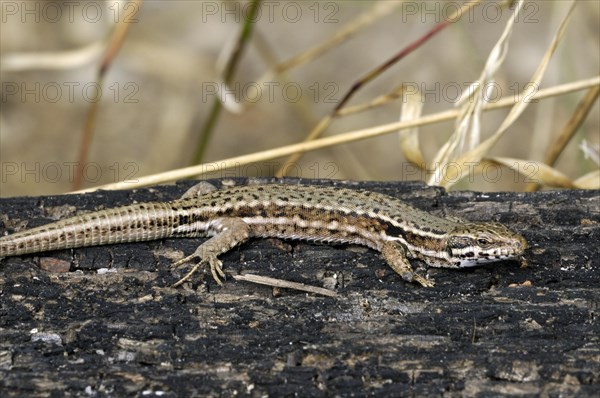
x,y
230,216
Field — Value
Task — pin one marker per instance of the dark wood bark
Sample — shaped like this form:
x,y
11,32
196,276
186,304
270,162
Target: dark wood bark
x,y
493,330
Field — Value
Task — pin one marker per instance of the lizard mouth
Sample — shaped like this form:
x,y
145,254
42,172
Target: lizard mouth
x,y
470,259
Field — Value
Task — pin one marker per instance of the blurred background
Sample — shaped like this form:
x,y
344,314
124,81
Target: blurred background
x,y
162,81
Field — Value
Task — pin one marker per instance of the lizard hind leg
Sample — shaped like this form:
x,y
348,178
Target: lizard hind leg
x,y
229,232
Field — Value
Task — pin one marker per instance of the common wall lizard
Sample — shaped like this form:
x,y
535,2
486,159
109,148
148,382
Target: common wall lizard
x,y
231,216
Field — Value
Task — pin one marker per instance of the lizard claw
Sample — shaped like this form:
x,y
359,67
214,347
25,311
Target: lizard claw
x,y
216,269
422,281
414,277
183,260
188,275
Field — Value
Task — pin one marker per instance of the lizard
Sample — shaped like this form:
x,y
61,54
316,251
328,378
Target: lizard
x,y
232,215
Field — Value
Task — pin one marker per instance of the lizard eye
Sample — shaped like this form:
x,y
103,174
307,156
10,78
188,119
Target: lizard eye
x,y
483,241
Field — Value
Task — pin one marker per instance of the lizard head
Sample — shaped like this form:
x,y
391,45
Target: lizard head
x,y
471,244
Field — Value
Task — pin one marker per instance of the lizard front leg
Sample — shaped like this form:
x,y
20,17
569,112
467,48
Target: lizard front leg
x,y
228,233
395,255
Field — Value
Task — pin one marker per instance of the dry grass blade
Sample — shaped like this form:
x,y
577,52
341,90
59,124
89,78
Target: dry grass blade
x,y
372,74
69,59
468,127
339,139
581,112
114,45
412,107
265,280
318,130
314,134
476,154
379,101
303,107
589,181
534,172
379,9
567,133
207,129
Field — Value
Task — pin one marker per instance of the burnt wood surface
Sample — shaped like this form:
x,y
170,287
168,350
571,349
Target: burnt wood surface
x,y
110,325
